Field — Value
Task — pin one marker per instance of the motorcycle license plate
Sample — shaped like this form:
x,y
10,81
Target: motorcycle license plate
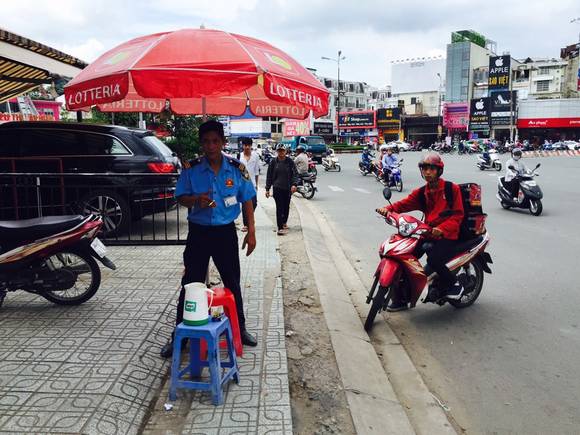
x,y
99,247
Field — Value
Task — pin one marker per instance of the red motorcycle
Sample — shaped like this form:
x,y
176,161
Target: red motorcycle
x,y
400,270
311,165
53,257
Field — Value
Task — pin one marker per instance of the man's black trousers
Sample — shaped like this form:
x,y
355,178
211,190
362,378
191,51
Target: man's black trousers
x,y
221,244
282,198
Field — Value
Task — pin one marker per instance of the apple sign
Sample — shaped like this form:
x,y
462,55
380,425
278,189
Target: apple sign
x,y
499,61
479,105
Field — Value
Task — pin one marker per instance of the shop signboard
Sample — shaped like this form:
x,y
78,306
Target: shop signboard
x,y
500,107
479,114
322,128
356,120
499,73
456,116
549,123
389,118
293,127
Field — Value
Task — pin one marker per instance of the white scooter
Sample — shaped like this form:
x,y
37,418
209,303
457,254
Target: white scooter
x,y
493,163
330,162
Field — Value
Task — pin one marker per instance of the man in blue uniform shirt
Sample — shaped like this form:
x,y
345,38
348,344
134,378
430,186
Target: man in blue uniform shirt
x,y
213,187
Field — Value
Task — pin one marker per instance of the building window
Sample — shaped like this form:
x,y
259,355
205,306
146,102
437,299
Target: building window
x,y
351,87
413,100
328,83
544,70
542,85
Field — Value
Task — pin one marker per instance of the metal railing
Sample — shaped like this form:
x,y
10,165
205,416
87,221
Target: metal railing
x,y
137,209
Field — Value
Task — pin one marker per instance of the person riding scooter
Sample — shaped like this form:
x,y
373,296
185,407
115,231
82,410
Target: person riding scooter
x,y
301,160
511,182
445,225
388,161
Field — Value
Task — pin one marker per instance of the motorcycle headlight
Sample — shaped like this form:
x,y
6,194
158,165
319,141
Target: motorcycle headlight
x,y
406,228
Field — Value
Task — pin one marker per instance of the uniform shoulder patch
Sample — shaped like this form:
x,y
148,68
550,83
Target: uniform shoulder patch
x,y
187,164
242,168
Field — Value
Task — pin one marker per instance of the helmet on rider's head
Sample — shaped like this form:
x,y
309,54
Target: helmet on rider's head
x,y
383,148
432,159
517,153
300,148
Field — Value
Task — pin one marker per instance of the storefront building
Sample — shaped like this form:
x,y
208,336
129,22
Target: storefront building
x,y
420,129
324,129
540,120
456,120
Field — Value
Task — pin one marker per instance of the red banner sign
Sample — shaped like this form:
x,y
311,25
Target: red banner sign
x,y
549,123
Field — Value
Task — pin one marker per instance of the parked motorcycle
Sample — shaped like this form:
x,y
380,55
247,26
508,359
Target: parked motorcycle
x,y
306,188
529,193
492,163
400,270
330,162
53,257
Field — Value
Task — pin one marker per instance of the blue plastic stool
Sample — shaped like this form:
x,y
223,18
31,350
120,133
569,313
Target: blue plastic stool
x,y
211,333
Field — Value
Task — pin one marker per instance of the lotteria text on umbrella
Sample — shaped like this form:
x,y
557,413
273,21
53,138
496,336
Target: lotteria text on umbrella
x,y
93,95
295,95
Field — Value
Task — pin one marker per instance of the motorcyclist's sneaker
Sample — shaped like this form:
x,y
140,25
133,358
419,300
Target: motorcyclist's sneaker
x,y
393,306
455,292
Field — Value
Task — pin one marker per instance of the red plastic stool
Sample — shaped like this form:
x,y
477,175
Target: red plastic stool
x,y
223,296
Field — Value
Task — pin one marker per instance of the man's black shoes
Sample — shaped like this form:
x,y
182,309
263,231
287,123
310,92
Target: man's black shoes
x,y
248,339
167,350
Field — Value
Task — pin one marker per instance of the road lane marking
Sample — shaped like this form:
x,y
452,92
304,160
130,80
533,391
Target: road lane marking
x,y
361,190
336,189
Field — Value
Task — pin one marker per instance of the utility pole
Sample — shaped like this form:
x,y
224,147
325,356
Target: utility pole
x,y
337,60
439,126
576,20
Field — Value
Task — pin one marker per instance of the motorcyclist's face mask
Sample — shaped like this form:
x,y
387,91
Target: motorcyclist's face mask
x,y
517,157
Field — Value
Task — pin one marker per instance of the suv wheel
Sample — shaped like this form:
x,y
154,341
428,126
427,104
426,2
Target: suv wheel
x,y
112,207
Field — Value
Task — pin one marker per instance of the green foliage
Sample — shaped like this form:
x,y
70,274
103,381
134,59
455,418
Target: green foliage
x,y
125,119
184,140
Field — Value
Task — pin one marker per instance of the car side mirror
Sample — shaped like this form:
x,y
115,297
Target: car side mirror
x,y
387,193
538,165
511,167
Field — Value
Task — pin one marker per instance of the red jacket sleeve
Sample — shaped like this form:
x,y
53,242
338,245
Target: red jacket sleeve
x,y
407,204
450,226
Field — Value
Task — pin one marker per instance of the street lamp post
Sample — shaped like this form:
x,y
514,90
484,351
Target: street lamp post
x,y
439,127
337,60
576,20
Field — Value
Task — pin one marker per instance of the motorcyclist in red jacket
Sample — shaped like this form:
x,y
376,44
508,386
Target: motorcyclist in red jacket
x,y
445,224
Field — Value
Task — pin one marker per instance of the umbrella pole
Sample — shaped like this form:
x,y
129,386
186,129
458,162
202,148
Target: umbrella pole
x,y
203,110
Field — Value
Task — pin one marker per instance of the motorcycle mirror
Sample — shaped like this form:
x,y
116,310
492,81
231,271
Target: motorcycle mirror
x,y
538,165
511,167
401,160
387,193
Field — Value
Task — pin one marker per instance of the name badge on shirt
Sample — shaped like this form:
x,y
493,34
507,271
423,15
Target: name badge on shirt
x,y
230,201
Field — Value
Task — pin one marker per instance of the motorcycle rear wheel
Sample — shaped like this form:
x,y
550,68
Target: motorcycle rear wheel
x,y
307,190
380,301
473,288
83,265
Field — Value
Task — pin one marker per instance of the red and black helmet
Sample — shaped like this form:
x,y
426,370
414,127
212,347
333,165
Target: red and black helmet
x,y
432,159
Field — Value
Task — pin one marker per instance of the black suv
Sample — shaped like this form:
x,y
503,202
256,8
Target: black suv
x,y
121,173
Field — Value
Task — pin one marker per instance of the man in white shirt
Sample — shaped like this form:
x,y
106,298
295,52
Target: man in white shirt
x,y
251,161
511,183
301,160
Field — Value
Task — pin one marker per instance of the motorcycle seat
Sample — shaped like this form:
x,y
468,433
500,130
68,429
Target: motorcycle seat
x,y
465,245
37,228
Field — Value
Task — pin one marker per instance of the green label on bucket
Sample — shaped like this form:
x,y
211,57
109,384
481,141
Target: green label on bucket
x,y
190,306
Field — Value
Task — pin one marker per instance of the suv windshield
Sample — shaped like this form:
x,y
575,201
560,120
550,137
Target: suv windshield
x,y
160,146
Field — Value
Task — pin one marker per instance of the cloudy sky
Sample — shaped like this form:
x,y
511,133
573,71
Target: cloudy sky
x,y
370,33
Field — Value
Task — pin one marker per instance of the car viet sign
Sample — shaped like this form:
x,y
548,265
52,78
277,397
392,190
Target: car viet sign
x,y
479,114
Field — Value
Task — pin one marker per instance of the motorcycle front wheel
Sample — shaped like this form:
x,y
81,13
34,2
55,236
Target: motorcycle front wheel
x,y
307,190
380,301
399,185
471,277
536,207
85,272
338,166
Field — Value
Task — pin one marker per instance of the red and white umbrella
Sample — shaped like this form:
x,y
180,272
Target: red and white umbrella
x,y
199,71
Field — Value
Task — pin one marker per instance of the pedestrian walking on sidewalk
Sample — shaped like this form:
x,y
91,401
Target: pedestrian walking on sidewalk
x,y
251,161
212,187
283,177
